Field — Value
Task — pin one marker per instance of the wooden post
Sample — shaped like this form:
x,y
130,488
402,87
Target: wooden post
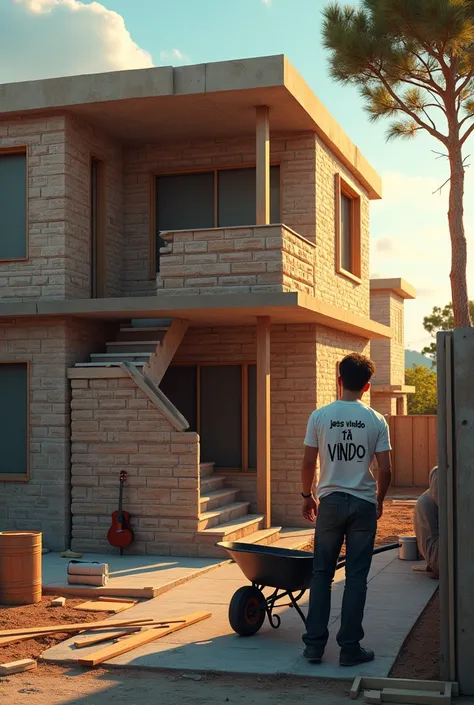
x,y
263,420
263,166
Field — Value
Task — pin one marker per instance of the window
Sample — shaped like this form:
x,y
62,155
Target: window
x,y
13,204
348,256
219,402
97,228
211,199
14,425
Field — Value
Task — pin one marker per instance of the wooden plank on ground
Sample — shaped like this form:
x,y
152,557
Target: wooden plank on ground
x,y
126,645
117,599
74,627
105,606
421,458
414,697
97,639
373,683
355,690
26,664
372,697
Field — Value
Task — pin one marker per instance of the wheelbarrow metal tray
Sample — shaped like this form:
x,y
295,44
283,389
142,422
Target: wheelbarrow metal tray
x,y
273,567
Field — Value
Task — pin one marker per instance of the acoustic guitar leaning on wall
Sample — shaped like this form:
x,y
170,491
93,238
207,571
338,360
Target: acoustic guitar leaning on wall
x,y
120,534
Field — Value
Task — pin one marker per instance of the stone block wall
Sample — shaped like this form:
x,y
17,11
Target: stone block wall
x,y
45,273
51,346
59,150
82,142
237,260
116,427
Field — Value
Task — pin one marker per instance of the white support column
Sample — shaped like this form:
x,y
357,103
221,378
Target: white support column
x,y
263,166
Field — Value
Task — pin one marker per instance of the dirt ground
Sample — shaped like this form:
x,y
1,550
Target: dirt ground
x,y
121,687
397,520
41,614
419,656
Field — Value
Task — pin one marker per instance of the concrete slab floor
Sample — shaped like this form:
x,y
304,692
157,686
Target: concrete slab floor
x,y
161,572
211,646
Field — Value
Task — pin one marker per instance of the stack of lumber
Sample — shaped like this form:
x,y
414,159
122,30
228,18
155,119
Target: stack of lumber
x,y
398,690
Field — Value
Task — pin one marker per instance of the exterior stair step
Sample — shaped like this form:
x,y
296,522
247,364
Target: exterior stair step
x,y
130,356
233,530
138,334
124,346
106,364
295,539
217,498
207,469
222,515
264,537
211,483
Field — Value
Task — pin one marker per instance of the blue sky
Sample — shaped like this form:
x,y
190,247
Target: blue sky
x,y
410,238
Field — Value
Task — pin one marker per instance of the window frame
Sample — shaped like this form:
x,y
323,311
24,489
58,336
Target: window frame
x,y
204,169
245,416
20,149
20,477
343,188
98,240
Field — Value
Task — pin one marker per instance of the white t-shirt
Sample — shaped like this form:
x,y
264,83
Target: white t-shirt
x,y
347,434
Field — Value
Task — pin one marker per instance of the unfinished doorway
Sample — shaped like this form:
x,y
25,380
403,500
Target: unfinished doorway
x,y
97,228
219,402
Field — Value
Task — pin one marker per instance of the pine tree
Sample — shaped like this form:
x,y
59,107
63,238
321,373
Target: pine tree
x,y
413,62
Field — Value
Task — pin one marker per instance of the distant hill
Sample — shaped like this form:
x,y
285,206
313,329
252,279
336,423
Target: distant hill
x,y
415,358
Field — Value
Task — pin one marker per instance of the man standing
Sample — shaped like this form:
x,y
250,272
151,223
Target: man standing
x,y
346,435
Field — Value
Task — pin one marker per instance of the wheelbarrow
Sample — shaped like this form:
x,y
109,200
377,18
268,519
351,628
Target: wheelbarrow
x,y
288,572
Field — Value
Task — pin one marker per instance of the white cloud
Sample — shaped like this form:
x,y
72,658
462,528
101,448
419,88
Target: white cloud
x,y
46,38
174,55
267,2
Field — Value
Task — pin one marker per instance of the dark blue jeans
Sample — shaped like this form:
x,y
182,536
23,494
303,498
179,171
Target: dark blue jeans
x,y
341,516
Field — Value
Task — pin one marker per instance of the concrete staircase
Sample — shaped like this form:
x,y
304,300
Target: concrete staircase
x,y
135,342
223,518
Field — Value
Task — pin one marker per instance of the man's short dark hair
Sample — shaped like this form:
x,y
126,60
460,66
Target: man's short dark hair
x,y
356,371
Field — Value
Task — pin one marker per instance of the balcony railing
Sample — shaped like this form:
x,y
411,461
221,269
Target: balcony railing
x,y
260,258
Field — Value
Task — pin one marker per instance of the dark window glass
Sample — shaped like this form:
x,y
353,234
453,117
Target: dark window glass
x,y
346,232
221,415
14,419
13,224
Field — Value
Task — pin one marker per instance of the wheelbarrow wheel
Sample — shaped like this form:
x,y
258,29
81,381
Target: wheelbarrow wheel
x,y
247,611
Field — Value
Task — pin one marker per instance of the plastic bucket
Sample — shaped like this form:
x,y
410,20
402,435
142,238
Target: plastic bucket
x,y
408,550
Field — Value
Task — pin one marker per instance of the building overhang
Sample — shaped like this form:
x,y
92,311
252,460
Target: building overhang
x,y
396,285
201,310
204,101
392,389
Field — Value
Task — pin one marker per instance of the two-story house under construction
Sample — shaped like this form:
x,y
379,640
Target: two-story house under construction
x,y
184,260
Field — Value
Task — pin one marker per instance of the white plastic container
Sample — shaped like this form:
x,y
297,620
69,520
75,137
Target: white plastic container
x,y
408,550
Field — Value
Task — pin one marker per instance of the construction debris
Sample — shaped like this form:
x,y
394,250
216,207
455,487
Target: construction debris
x,y
26,664
70,554
128,644
58,602
105,606
400,690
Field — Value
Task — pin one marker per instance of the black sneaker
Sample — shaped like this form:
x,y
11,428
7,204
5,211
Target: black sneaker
x,y
355,658
312,654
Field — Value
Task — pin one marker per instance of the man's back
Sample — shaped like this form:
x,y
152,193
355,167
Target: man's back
x,y
347,434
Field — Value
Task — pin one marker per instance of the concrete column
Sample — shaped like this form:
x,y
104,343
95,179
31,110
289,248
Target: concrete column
x,y
263,166
263,420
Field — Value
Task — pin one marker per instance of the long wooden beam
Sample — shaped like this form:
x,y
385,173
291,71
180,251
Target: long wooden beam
x,y
263,166
263,420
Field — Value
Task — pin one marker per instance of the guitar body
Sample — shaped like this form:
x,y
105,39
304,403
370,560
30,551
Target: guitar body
x,y
120,534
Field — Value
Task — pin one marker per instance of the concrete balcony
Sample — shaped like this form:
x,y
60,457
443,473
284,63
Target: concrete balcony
x,y
254,259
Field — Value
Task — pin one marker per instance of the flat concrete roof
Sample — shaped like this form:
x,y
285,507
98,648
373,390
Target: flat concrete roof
x,y
201,101
397,285
202,310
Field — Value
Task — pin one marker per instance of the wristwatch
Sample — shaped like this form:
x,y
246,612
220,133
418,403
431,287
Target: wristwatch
x,y
306,496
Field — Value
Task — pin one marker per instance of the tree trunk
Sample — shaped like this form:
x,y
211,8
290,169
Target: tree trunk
x,y
458,273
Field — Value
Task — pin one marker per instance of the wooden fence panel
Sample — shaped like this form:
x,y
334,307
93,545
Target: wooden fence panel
x,y
414,443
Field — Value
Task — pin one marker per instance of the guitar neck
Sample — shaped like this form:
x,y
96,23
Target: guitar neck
x,y
120,517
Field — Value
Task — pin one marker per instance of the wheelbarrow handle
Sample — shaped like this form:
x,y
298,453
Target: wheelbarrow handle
x,y
390,547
